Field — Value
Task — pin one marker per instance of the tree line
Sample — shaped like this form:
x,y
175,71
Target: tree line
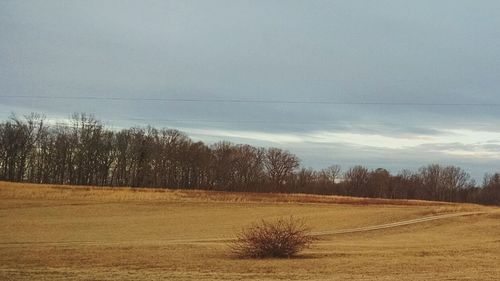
x,y
85,152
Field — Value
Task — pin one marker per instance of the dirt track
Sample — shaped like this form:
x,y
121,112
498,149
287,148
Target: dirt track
x,y
396,224
220,240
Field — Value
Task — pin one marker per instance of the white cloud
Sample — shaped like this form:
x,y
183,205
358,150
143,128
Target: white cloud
x,y
461,143
246,135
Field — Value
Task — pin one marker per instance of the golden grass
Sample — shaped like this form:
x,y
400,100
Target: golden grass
x,y
123,194
74,233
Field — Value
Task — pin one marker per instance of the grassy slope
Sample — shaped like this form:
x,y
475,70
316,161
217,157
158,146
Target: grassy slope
x,y
62,233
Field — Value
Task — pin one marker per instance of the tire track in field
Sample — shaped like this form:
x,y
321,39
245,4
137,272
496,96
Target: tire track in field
x,y
53,206
394,224
349,230
221,240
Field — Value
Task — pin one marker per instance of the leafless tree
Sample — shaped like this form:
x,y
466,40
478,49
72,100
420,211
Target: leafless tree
x,y
379,183
331,173
279,165
491,189
356,179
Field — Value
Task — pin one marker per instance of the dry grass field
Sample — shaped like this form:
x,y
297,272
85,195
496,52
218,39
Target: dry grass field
x,y
80,233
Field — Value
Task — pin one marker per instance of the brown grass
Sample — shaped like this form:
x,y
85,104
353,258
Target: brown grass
x,y
125,194
67,233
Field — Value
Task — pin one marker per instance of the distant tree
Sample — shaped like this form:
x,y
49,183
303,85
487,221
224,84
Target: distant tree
x,y
223,165
17,141
121,169
356,181
404,185
443,183
431,182
198,165
332,173
491,189
141,151
248,167
379,183
279,164
306,181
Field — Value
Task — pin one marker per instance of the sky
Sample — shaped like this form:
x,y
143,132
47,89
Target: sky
x,y
394,84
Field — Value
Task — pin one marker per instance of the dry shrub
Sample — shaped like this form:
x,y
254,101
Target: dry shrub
x,y
282,238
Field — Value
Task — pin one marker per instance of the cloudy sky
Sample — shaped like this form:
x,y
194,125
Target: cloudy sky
x,y
394,84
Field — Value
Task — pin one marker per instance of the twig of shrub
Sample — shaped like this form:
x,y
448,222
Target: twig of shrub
x,y
281,238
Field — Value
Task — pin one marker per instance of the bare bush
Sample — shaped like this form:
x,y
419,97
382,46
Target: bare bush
x,y
282,238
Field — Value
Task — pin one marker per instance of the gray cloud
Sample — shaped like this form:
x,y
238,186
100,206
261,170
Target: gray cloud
x,y
348,51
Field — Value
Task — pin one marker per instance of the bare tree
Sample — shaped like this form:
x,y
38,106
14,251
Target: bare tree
x,y
491,189
356,179
379,183
223,165
248,167
443,183
279,165
17,141
332,173
404,185
306,181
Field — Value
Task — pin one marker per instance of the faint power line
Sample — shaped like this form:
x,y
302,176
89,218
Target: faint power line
x,y
253,101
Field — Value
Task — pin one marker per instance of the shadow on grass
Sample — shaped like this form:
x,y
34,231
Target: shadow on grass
x,y
296,257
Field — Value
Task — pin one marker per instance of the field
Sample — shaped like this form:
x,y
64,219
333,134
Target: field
x,y
79,233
